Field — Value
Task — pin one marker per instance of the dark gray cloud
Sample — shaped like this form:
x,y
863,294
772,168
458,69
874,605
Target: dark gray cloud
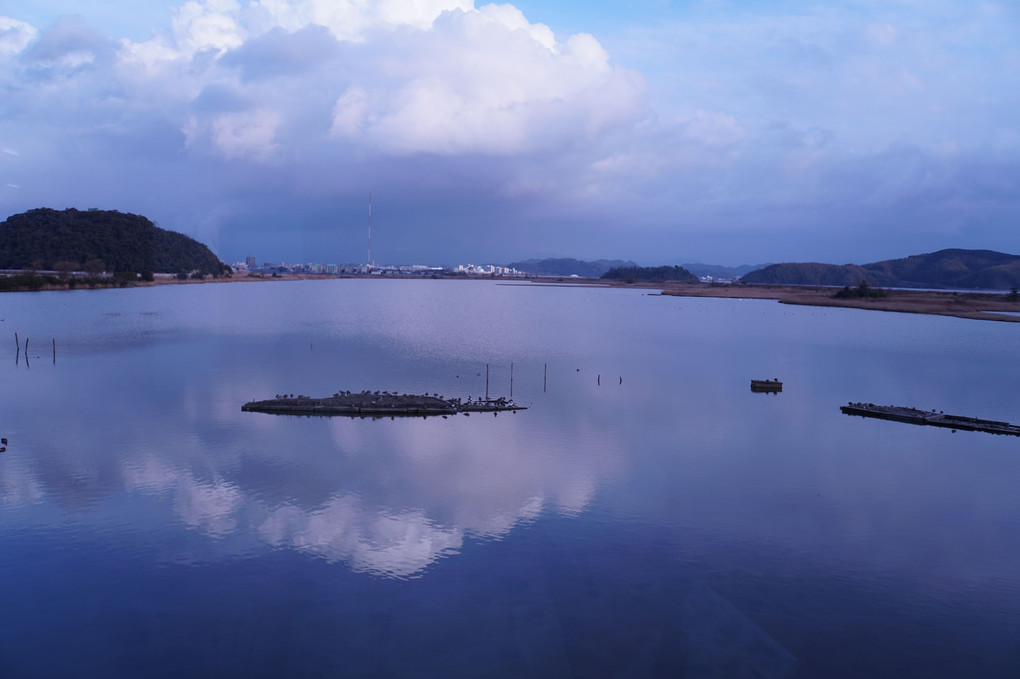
x,y
70,44
280,54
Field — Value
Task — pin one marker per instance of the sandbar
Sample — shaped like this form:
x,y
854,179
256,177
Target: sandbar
x,y
982,306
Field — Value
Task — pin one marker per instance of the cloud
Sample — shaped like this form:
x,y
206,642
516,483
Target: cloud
x,y
478,82
15,35
390,78
208,25
70,44
881,35
280,53
249,134
457,115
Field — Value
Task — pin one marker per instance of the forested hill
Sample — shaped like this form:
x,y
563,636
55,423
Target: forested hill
x,y
955,268
811,273
107,240
985,269
657,274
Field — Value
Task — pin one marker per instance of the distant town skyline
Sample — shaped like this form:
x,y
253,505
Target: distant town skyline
x,y
658,132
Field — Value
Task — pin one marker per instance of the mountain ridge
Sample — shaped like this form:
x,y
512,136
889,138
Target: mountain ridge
x,y
943,269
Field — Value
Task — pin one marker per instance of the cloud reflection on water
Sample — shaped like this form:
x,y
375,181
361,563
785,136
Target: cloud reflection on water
x,y
387,497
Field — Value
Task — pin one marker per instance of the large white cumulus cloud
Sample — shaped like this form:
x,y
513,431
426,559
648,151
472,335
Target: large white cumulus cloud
x,y
269,78
491,83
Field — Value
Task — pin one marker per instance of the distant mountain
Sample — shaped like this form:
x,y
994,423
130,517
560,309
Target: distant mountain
x,y
984,269
99,239
657,274
955,268
810,273
717,271
568,267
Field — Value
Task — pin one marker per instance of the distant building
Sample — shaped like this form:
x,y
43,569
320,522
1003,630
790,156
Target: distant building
x,y
249,261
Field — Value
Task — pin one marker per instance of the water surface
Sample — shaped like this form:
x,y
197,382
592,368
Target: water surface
x,y
647,516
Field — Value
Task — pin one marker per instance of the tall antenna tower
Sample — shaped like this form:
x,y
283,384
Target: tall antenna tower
x,y
370,262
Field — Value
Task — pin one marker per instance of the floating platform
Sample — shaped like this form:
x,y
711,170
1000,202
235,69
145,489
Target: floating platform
x,y
766,386
377,404
932,418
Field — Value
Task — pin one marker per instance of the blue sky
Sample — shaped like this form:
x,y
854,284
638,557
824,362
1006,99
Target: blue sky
x,y
663,132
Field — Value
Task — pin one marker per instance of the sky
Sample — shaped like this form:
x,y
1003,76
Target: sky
x,y
658,131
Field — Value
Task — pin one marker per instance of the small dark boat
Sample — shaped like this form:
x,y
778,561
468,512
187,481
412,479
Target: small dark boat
x,y
766,386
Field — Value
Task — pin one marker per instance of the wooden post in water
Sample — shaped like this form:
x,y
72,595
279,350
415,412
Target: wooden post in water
x,y
599,380
18,342
486,381
545,376
54,351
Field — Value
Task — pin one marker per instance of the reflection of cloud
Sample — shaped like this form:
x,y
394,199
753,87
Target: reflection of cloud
x,y
431,484
18,486
377,542
148,473
212,507
388,497
435,483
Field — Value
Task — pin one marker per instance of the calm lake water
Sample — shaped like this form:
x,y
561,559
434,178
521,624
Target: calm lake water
x,y
646,516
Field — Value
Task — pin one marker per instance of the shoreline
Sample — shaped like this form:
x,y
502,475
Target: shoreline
x,y
982,306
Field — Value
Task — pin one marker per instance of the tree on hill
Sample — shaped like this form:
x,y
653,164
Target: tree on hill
x,y
98,240
656,274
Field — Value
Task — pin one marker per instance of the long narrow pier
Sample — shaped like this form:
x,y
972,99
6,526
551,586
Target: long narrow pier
x,y
931,418
377,404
